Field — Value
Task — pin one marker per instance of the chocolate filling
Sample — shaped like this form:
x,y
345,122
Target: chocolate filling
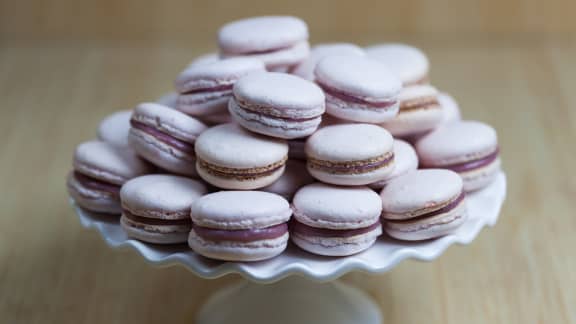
x,y
156,221
164,138
96,184
471,165
300,228
267,112
351,167
450,206
244,235
240,174
353,99
223,87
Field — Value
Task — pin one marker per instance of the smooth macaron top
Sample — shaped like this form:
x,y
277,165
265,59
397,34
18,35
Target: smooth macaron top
x,y
257,34
104,161
416,92
229,145
115,128
230,210
320,51
349,142
161,196
217,74
169,121
357,75
405,157
457,142
205,59
420,192
334,207
280,93
409,63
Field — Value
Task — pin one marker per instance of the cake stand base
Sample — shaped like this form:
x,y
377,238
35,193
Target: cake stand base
x,y
292,300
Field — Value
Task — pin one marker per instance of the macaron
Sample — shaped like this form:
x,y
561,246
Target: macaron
x,y
420,111
358,88
350,154
450,108
279,41
409,63
165,137
204,90
335,221
405,160
240,225
423,204
205,59
277,104
469,148
156,208
295,176
230,157
100,169
168,100
114,128
306,68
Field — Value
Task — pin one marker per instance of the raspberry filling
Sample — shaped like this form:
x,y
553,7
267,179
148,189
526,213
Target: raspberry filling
x,y
243,235
300,228
96,184
353,99
450,206
156,221
164,138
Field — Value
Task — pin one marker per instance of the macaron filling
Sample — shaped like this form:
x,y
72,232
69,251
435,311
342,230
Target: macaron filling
x,y
352,167
347,97
220,88
96,184
473,164
268,50
156,221
273,112
241,235
419,103
164,138
303,229
241,174
444,209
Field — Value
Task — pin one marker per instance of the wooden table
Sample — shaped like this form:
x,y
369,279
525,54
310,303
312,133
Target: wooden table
x,y
52,96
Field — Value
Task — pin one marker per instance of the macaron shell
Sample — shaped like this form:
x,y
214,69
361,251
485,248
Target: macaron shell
x,y
405,160
114,128
168,100
169,121
414,122
456,142
161,196
356,179
295,176
283,60
201,106
333,207
205,59
409,63
306,68
450,108
336,246
109,163
232,210
481,177
231,183
93,200
238,251
419,192
353,112
171,234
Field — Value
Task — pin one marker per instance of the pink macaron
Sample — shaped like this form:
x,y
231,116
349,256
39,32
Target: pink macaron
x,y
240,225
205,89
295,176
420,112
409,63
358,88
405,160
279,41
205,59
469,148
169,100
335,221
277,104
165,137
350,154
114,129
156,208
231,157
450,108
306,68
423,204
100,169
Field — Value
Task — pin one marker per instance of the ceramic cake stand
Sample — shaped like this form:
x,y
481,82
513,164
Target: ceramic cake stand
x,y
310,294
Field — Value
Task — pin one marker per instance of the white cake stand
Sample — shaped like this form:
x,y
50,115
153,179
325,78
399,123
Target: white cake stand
x,y
297,299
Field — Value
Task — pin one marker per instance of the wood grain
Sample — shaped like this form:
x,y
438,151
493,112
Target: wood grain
x,y
52,95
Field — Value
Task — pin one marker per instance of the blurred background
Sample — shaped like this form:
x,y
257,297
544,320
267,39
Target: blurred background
x,y
66,64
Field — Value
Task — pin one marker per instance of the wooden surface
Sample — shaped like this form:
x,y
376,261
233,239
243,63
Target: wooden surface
x,y
52,95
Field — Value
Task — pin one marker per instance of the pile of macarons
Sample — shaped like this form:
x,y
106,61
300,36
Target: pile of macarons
x,y
270,141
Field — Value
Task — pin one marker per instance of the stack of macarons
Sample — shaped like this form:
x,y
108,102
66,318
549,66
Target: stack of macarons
x,y
267,141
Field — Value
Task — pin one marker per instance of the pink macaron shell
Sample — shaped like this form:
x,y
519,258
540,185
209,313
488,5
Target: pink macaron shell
x,y
368,81
205,59
216,119
92,199
114,128
405,160
156,234
168,100
277,104
295,176
418,120
409,63
450,108
318,52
